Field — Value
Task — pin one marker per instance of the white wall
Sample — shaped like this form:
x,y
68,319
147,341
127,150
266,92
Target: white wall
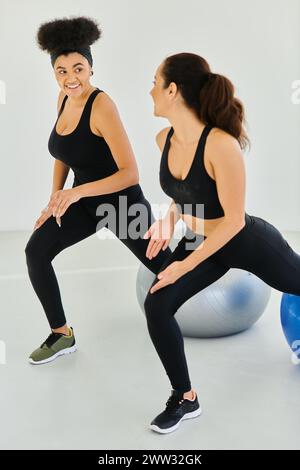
x,y
256,44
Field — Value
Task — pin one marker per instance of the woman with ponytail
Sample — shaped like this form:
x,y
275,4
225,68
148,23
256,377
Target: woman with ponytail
x,y
202,170
88,137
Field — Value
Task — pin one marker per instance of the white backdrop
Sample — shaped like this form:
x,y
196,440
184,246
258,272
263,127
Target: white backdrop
x,y
255,44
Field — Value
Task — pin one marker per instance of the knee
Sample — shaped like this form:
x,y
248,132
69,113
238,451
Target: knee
x,y
160,261
37,252
148,304
156,307
31,251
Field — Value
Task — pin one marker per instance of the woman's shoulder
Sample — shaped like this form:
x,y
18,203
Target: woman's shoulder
x,y
218,135
161,137
104,101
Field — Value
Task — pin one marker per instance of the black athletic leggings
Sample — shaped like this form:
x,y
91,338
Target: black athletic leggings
x,y
79,222
258,248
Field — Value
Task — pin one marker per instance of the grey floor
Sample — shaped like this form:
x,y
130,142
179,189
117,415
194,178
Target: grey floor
x,y
105,395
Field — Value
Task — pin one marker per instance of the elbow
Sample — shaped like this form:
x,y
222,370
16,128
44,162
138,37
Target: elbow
x,y
136,179
132,176
237,223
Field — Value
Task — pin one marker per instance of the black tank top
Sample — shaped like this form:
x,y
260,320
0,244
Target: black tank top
x,y
86,153
197,188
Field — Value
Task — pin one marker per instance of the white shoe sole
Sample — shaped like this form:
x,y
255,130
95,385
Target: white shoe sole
x,y
192,414
52,358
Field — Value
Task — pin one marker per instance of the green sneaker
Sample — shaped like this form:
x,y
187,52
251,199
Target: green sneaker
x,y
55,345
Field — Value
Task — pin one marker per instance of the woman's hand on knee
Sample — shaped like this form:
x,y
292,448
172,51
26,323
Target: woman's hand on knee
x,y
45,214
160,233
169,275
61,200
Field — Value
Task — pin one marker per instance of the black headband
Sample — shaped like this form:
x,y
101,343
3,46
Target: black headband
x,y
85,51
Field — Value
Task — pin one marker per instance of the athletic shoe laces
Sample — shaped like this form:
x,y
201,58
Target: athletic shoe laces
x,y
51,339
173,402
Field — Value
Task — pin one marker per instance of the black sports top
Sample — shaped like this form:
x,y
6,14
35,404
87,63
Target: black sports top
x,y
87,154
197,188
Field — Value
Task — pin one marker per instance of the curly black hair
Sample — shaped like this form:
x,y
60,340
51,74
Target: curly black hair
x,y
69,33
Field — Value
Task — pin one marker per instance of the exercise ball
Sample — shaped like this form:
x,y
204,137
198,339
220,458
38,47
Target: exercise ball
x,y
290,322
228,306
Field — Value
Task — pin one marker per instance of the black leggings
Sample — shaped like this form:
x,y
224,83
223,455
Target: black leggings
x,y
79,222
258,248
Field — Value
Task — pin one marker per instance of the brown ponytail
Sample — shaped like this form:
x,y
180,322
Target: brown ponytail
x,y
210,95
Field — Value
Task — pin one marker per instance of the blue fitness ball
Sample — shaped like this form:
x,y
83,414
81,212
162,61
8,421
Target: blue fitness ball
x,y
290,321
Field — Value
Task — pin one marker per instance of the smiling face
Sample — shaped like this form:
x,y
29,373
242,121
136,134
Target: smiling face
x,y
164,98
72,73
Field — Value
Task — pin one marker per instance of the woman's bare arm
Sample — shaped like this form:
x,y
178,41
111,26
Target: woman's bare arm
x,y
60,169
60,173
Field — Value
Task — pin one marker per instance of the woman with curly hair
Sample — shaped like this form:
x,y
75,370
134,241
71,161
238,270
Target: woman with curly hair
x,y
88,137
202,170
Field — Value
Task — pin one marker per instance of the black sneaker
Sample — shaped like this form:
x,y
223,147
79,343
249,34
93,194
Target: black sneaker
x,y
177,409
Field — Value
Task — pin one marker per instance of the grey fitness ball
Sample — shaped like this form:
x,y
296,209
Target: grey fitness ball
x,y
227,306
